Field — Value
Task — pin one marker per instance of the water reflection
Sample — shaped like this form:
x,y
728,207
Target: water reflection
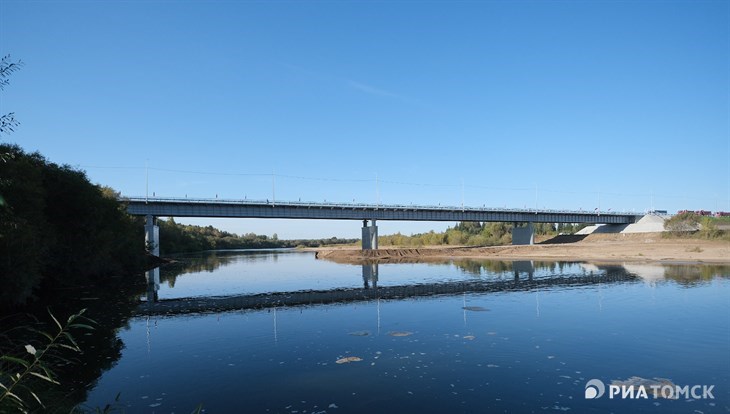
x,y
152,277
483,276
523,266
523,279
513,336
210,261
370,275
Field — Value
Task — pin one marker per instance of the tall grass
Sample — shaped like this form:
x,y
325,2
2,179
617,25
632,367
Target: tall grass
x,y
25,372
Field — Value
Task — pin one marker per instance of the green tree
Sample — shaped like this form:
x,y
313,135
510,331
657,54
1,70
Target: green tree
x,y
7,68
58,229
708,228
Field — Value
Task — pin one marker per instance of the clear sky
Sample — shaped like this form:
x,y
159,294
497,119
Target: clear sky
x,y
560,104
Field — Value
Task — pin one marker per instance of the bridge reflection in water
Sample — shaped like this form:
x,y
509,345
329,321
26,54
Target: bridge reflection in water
x,y
523,280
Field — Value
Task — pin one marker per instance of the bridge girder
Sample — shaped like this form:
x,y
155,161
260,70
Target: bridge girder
x,y
245,209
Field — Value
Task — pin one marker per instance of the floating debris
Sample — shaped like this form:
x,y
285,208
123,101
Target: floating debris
x,y
360,333
475,308
469,337
400,333
348,359
333,405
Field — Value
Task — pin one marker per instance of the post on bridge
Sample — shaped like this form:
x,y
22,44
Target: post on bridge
x,y
152,235
369,236
523,235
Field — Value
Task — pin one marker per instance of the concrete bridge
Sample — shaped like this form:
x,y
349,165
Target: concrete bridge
x,y
522,280
152,208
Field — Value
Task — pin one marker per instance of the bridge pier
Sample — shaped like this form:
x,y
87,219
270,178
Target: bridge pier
x,y
369,236
152,235
523,235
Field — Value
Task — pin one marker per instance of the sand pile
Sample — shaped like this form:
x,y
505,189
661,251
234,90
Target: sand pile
x,y
650,223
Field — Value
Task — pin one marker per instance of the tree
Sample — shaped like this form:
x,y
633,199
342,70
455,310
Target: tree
x,y
58,229
708,229
8,121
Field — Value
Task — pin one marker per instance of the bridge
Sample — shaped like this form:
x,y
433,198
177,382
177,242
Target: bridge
x,y
151,208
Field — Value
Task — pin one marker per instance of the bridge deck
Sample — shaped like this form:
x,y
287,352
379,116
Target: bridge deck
x,y
171,207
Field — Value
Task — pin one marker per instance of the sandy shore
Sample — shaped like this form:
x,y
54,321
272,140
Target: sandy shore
x,y
646,247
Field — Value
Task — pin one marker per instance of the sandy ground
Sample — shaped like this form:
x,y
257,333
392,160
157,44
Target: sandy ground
x,y
645,247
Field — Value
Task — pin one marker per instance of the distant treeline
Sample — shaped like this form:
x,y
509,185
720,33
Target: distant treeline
x,y
181,238
473,234
59,230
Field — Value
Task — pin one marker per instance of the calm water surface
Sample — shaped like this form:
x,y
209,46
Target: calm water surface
x,y
528,345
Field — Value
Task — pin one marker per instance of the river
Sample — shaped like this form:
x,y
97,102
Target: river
x,y
282,332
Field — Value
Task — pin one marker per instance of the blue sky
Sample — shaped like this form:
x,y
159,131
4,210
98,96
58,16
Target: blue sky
x,y
580,100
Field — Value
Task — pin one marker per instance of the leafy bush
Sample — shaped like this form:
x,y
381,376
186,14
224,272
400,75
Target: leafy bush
x,y
684,223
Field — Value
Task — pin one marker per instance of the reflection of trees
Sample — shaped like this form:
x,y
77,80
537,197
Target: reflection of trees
x,y
477,267
207,263
693,275
212,260
685,275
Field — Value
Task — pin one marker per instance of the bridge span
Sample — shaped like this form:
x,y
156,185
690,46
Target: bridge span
x,y
522,234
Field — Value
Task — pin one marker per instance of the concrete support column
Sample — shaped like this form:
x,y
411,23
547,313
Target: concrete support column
x,y
369,236
523,235
152,236
374,235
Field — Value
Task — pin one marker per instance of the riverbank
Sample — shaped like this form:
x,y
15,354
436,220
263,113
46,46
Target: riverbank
x,y
645,247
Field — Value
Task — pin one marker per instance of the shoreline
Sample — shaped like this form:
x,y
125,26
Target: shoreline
x,y
636,248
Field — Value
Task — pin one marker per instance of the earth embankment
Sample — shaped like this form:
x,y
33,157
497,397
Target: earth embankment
x,y
643,247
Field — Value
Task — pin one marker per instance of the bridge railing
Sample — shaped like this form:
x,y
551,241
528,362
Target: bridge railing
x,y
365,206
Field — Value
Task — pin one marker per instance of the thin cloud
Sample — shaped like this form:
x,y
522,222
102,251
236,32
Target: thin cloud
x,y
373,90
359,86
